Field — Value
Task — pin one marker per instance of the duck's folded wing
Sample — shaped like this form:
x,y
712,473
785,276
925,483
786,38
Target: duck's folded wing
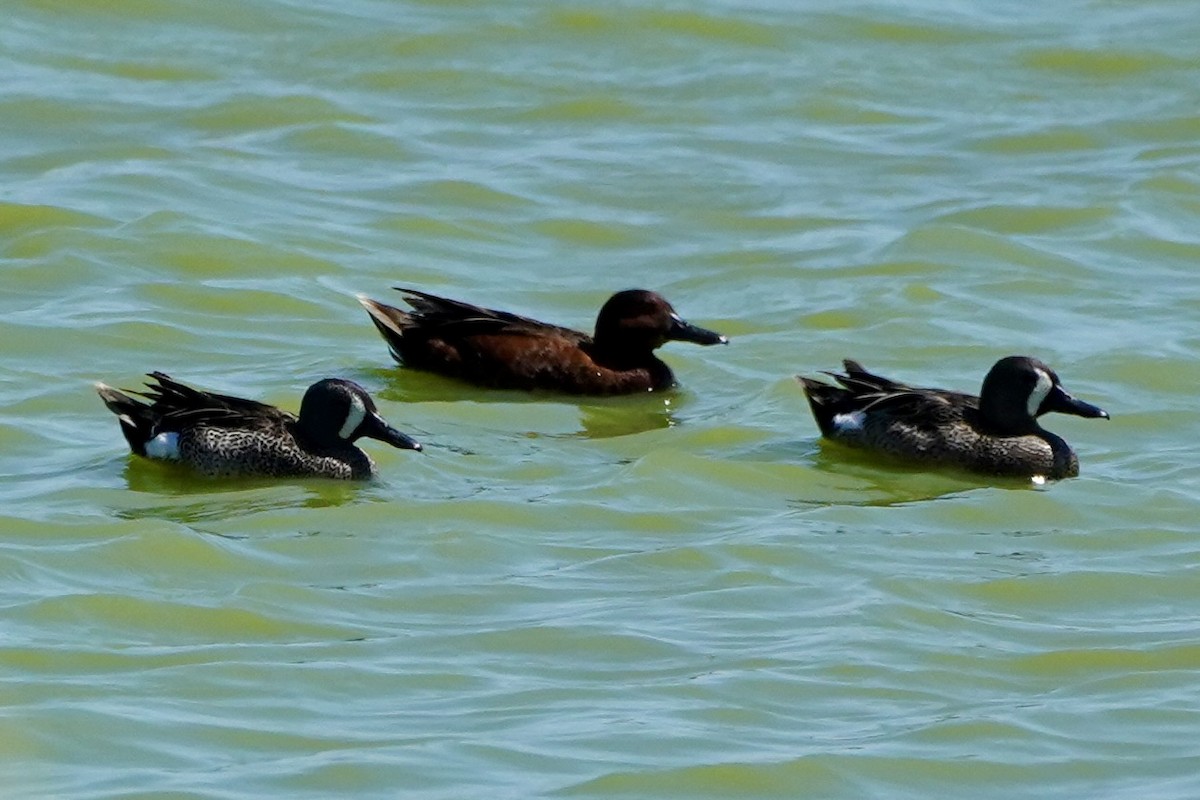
x,y
859,381
181,404
459,319
919,407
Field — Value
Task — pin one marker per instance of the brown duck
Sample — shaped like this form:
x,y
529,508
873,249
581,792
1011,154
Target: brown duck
x,y
501,350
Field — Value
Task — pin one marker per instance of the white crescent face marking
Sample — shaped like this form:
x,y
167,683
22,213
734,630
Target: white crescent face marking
x,y
1040,390
354,416
165,445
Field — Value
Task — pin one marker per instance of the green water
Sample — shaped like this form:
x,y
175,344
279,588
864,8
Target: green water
x,y
652,597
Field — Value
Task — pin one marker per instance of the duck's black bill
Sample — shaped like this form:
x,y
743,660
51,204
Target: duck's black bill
x,y
684,331
1059,400
375,428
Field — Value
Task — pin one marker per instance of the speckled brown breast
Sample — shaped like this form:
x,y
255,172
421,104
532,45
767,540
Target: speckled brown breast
x,y
270,453
957,443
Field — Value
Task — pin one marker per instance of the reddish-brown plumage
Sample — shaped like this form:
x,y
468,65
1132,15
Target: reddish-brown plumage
x,y
501,350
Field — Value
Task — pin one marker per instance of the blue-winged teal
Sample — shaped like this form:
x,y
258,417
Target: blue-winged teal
x,y
505,351
996,433
220,435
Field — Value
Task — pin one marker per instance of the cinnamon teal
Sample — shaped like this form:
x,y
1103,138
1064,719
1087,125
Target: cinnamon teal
x,y
995,433
501,350
219,435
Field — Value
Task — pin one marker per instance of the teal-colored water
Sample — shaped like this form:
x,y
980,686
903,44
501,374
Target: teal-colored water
x,y
664,596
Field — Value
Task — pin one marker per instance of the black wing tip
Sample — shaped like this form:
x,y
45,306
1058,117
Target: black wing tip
x,y
162,378
425,304
820,396
410,294
811,384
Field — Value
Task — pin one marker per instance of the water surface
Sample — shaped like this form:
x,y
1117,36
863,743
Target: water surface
x,y
681,595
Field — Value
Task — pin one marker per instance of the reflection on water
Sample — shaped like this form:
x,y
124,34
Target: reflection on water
x,y
642,596
401,385
542,413
871,478
604,422
198,498
830,474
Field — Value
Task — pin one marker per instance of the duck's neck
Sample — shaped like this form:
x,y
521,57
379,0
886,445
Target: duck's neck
x,y
641,368
999,420
1066,463
620,354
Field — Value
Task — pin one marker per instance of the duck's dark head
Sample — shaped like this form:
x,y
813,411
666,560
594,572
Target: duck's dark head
x,y
1018,389
639,319
336,411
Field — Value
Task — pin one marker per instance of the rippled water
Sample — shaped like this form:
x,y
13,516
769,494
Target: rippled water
x,y
663,596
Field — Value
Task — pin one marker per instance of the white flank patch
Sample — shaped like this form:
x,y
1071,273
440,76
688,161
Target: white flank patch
x,y
1040,390
354,417
847,423
165,445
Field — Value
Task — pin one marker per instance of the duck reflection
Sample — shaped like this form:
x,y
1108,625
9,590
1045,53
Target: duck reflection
x,y
599,417
191,499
